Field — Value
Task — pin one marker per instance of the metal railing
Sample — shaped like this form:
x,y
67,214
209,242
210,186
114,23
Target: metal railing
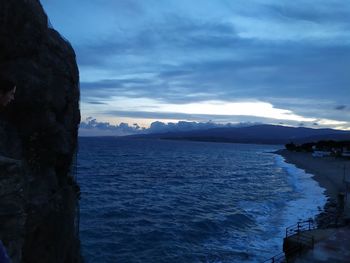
x,y
279,258
301,240
300,226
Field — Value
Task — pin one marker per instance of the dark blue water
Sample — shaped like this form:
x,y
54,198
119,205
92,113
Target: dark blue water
x,y
172,201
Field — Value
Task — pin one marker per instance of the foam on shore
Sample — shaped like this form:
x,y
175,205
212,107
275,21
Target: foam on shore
x,y
306,201
312,196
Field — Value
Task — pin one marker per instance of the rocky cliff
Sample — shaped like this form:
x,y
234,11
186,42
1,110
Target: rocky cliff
x,y
38,138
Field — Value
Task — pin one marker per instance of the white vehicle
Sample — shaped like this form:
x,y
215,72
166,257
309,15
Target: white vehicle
x,y
321,153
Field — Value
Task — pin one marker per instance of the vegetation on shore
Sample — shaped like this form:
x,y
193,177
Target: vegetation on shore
x,y
335,148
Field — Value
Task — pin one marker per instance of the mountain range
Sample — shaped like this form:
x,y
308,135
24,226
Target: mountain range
x,y
259,134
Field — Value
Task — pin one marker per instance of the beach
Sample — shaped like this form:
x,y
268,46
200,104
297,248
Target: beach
x,y
329,172
331,241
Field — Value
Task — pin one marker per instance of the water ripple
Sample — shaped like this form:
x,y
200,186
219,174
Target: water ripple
x,y
164,201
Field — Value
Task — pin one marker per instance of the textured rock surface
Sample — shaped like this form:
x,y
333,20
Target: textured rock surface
x,y
12,210
38,138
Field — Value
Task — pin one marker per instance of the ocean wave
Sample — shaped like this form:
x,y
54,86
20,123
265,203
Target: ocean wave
x,y
170,201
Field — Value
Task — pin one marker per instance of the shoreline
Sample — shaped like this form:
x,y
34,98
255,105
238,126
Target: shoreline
x,y
328,172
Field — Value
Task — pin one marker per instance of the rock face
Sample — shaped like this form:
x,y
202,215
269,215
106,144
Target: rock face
x,y
38,138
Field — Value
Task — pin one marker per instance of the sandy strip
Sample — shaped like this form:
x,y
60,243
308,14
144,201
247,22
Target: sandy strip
x,y
327,171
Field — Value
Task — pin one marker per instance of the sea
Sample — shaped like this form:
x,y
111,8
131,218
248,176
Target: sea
x,y
151,200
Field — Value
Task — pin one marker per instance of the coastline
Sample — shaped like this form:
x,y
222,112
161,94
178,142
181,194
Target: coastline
x,y
329,172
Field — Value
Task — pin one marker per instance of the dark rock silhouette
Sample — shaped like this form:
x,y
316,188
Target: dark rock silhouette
x,y
38,138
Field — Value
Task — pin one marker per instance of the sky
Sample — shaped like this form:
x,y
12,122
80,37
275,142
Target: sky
x,y
208,61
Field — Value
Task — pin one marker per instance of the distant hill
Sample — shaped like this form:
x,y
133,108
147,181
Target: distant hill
x,y
259,134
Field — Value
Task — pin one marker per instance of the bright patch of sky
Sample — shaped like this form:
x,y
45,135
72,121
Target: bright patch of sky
x,y
224,61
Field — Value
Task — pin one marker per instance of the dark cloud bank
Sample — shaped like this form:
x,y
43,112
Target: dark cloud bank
x,y
92,127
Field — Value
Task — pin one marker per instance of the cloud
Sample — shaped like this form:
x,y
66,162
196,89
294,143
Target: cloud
x,y
173,36
306,72
97,102
340,107
293,55
185,56
317,108
211,107
325,11
92,127
223,111
160,127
